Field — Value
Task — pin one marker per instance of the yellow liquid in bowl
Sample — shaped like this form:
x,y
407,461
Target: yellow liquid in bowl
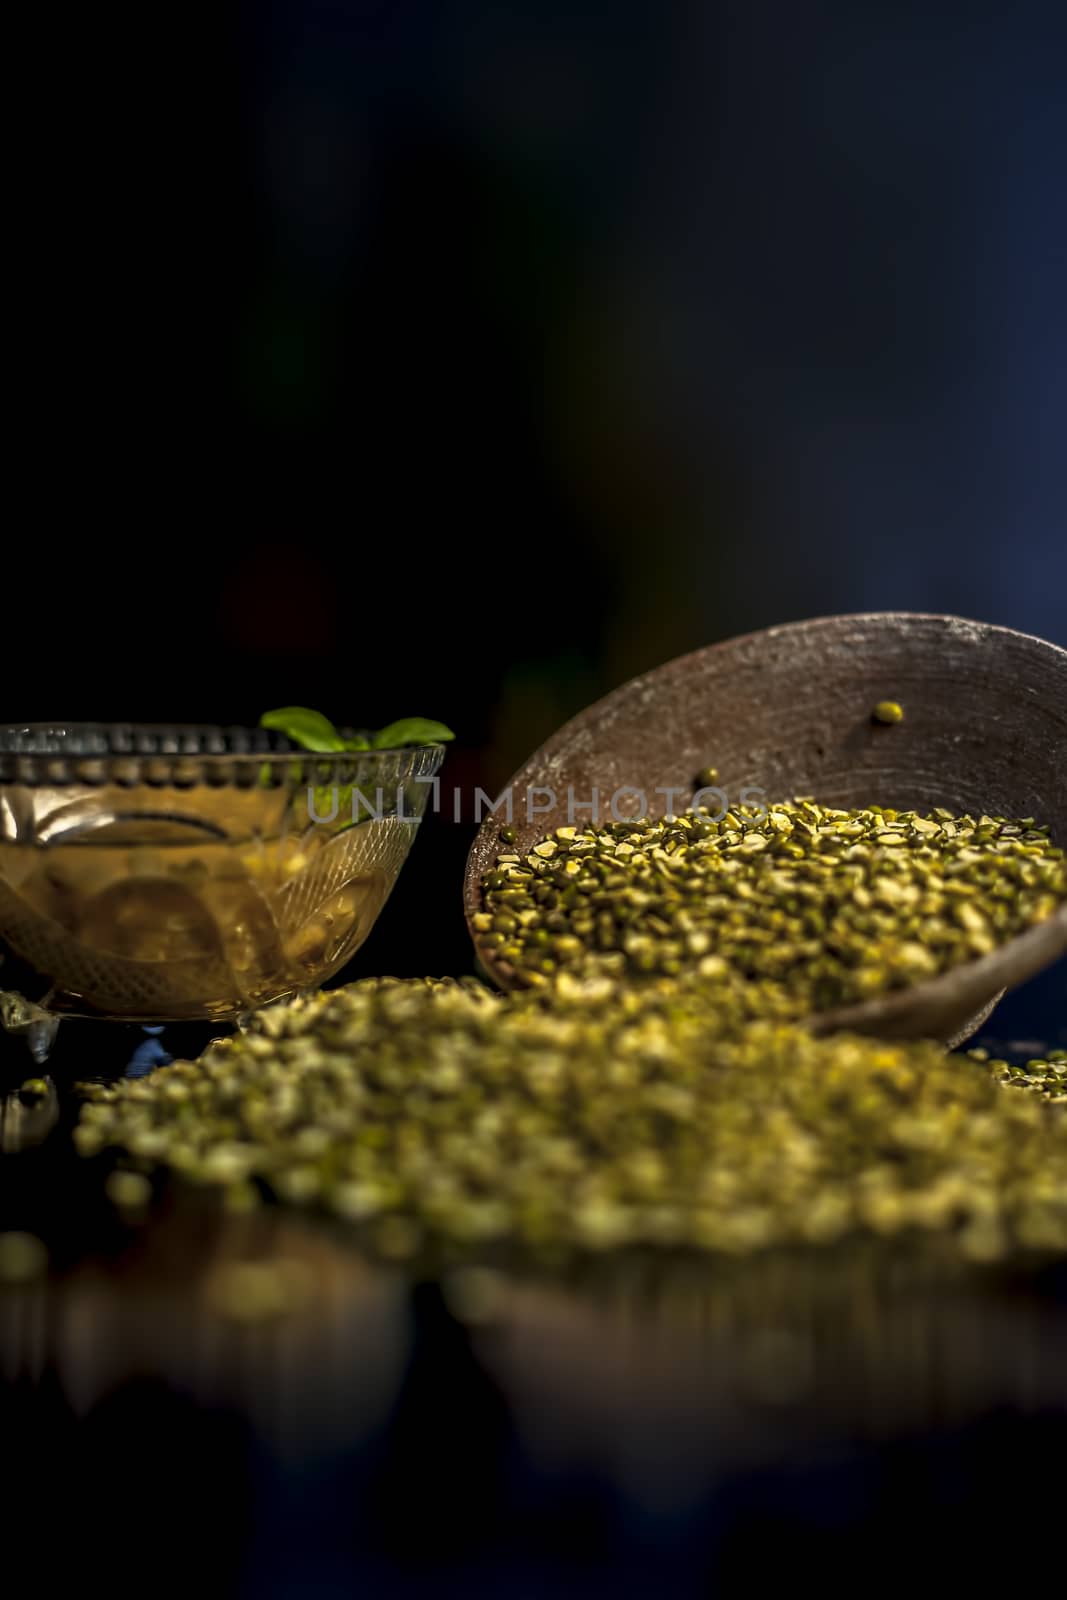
x,y
169,930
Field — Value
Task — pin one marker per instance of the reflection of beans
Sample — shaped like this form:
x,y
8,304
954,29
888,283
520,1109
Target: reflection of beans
x,y
22,1258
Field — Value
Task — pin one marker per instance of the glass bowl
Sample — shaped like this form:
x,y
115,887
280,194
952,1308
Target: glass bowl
x,y
161,873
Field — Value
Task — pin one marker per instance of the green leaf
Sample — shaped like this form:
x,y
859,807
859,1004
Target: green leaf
x,y
309,729
412,730
314,732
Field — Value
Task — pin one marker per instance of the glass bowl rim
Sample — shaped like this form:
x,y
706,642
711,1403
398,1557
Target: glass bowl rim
x,y
177,753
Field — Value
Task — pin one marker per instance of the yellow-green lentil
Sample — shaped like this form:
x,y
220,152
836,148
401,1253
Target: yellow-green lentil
x,y
888,712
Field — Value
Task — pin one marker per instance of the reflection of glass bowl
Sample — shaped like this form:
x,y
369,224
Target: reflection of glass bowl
x,y
157,873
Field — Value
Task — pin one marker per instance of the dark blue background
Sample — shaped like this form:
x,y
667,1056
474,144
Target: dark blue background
x,y
467,358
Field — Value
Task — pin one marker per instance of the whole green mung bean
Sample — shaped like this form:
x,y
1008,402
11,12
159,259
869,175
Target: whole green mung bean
x,y
786,910
888,712
593,1115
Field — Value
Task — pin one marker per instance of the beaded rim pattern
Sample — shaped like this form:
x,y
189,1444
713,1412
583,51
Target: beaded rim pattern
x,y
182,757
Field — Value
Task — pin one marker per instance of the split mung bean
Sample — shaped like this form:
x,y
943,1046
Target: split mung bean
x,y
1042,1076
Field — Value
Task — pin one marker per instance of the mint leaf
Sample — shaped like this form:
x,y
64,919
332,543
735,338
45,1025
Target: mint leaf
x,y
412,730
312,731
309,729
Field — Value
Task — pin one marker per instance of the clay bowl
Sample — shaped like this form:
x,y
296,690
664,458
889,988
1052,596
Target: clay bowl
x,y
788,711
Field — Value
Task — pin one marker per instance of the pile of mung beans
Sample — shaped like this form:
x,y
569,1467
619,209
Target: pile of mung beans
x,y
589,1115
650,1081
1046,1077
784,911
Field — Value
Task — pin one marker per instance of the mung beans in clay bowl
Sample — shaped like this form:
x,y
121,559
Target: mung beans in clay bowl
x,y
856,821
